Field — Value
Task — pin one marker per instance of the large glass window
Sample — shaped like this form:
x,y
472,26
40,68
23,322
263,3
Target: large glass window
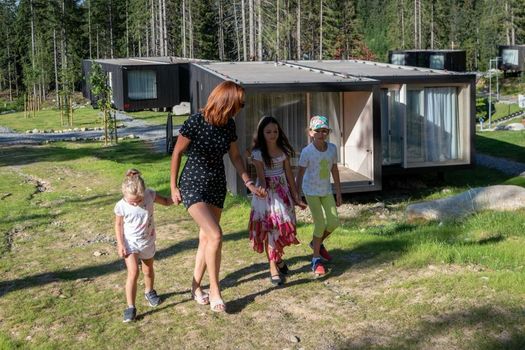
x,y
142,85
398,58
328,104
437,61
391,126
432,125
288,108
509,56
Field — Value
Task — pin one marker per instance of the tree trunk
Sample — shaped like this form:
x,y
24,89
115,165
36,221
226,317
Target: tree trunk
x,y
89,28
56,68
259,31
432,25
190,15
321,31
221,32
237,38
277,43
244,51
252,33
127,30
299,29
152,30
110,5
184,54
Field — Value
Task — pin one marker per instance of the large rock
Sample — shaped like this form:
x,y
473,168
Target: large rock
x,y
182,109
499,197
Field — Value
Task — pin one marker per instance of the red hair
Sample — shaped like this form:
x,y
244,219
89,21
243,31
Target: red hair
x,y
224,102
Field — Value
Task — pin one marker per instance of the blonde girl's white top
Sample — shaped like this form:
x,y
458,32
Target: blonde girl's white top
x,y
139,226
316,180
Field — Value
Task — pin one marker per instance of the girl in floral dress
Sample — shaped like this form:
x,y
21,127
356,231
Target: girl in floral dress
x,y
272,218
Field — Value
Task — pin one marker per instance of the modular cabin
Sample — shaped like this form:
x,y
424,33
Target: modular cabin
x,y
450,60
142,83
384,118
512,58
427,117
291,94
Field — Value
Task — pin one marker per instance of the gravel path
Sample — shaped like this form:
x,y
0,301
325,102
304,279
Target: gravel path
x,y
506,166
156,134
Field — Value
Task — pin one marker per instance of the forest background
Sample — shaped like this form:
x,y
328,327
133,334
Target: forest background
x,y
44,41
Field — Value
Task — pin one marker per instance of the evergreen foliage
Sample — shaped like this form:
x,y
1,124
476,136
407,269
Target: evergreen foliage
x,y
44,41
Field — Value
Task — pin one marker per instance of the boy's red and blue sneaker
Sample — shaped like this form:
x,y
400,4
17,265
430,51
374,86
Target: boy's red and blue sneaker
x,y
322,251
318,267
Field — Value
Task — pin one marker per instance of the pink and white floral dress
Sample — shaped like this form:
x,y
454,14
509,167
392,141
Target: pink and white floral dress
x,y
272,218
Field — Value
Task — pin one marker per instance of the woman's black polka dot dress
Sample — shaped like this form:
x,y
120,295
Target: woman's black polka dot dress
x,y
203,178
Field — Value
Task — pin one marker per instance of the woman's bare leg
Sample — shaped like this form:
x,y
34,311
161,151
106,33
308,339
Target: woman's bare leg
x,y
206,217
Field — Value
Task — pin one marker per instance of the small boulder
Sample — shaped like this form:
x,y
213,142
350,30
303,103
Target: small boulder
x,y
499,197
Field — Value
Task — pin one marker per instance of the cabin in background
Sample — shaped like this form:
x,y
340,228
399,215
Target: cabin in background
x,y
450,60
142,83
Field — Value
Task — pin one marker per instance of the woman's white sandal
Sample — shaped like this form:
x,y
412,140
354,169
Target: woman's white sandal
x,y
203,299
214,305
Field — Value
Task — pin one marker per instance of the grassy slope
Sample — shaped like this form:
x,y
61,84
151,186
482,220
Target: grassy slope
x,y
394,284
505,144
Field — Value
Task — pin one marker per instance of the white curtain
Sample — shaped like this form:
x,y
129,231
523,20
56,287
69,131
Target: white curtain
x,y
437,61
441,124
328,105
288,108
142,85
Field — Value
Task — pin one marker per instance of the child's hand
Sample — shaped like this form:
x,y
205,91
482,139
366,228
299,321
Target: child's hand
x,y
299,202
121,250
176,197
338,200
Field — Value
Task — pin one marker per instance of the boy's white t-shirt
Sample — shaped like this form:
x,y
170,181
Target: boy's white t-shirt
x,y
316,180
139,226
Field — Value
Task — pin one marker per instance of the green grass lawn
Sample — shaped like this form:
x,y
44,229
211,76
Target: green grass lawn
x,y
85,117
157,118
504,143
503,110
393,284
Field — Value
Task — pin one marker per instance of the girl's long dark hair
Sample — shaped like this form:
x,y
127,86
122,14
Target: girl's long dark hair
x,y
282,141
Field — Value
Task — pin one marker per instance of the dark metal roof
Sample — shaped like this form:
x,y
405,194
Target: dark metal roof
x,y
261,73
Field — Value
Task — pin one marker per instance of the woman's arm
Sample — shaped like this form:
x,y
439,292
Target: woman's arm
x,y
291,184
337,183
181,146
238,163
119,233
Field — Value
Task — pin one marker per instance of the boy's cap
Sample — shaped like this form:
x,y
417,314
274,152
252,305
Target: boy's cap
x,y
319,122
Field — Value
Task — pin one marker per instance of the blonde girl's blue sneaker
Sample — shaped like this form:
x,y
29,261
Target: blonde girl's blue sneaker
x,y
130,314
152,298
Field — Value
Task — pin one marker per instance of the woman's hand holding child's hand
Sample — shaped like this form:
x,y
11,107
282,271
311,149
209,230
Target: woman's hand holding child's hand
x,y
176,198
257,190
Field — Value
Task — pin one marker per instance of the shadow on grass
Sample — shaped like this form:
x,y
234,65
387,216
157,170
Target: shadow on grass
x,y
496,328
125,152
501,148
100,270
364,254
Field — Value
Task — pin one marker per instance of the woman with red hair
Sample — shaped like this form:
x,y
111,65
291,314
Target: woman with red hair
x,y
205,137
